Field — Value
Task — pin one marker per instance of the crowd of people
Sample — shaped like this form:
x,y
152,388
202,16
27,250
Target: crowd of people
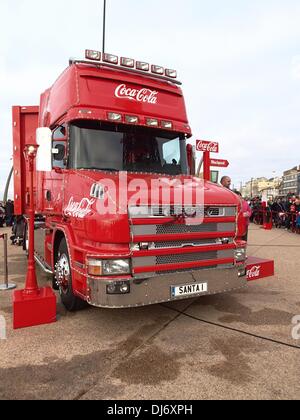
x,y
7,214
282,213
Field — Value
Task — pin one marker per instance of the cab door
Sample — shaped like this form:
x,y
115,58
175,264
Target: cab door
x,y
54,182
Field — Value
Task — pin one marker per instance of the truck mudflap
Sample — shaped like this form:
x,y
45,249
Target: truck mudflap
x,y
166,288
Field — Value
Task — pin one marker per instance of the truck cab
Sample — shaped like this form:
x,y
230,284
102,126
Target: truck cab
x,y
121,219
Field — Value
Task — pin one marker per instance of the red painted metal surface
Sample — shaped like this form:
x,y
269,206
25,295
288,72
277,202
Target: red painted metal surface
x,y
25,123
174,267
258,268
32,310
98,90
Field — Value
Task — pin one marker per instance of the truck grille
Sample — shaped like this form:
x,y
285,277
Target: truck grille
x,y
218,233
182,244
169,229
183,258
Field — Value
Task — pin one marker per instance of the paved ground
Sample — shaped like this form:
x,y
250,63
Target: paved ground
x,y
235,346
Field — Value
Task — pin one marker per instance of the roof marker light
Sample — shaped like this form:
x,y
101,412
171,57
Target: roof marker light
x,y
171,73
127,62
131,119
109,58
140,65
93,55
112,116
157,70
152,122
168,125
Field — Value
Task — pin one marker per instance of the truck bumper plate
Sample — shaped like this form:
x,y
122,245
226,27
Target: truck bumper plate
x,y
160,289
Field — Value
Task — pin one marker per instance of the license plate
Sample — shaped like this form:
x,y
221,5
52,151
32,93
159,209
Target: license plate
x,y
189,290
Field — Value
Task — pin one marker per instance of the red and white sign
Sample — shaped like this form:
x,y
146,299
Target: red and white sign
x,y
207,146
254,272
142,95
258,268
220,163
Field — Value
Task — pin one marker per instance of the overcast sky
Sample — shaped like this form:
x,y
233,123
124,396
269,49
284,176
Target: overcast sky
x,y
239,61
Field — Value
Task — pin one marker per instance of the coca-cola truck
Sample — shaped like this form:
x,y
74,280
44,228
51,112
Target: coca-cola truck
x,y
121,219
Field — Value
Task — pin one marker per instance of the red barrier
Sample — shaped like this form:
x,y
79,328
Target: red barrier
x,y
258,268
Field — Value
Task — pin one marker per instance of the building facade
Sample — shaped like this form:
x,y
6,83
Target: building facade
x,y
291,182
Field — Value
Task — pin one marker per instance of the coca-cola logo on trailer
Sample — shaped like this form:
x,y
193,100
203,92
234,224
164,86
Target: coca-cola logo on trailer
x,y
138,95
207,146
254,272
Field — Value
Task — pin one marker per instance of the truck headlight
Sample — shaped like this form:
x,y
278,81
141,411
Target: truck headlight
x,y
108,267
240,254
115,267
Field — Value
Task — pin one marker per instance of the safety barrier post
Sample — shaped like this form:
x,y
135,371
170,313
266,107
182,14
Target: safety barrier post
x,y
6,286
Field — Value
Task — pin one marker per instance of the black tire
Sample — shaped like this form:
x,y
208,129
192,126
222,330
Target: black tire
x,y
64,277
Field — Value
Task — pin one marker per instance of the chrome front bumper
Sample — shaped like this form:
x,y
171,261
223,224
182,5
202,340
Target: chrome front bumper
x,y
154,290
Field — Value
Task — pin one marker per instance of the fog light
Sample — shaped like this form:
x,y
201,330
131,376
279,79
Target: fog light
x,y
93,55
152,122
118,288
167,125
127,62
158,70
112,116
131,119
171,73
109,58
140,65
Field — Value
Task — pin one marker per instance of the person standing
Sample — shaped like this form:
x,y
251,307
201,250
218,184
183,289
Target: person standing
x,y
9,213
226,182
2,215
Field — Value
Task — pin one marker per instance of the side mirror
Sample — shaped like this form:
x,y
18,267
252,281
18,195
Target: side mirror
x,y
44,155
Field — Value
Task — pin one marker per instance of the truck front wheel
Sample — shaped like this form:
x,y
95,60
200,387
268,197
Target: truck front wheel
x,y
63,275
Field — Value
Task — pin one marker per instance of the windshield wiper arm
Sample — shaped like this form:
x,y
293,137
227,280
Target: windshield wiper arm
x,y
101,169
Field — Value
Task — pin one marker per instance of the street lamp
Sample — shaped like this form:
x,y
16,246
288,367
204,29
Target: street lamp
x,y
31,286
33,305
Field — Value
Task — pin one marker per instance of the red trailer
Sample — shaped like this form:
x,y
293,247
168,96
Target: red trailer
x,y
112,138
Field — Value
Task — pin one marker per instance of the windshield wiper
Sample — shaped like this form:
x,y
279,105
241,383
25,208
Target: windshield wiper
x,y
101,169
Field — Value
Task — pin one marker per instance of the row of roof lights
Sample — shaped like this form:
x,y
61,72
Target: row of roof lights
x,y
131,119
129,63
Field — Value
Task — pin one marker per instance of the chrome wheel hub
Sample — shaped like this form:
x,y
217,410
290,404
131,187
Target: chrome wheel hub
x,y
62,273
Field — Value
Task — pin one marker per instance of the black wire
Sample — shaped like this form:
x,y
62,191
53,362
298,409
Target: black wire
x,y
233,329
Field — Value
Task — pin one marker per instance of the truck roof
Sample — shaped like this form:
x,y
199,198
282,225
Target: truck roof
x,y
95,91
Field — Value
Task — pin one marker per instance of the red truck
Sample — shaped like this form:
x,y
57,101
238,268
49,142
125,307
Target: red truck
x,y
112,134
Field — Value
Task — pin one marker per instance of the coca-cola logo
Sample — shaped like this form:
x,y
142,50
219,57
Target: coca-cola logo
x,y
80,209
207,146
254,272
139,95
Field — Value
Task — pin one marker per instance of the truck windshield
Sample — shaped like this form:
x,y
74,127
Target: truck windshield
x,y
105,146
